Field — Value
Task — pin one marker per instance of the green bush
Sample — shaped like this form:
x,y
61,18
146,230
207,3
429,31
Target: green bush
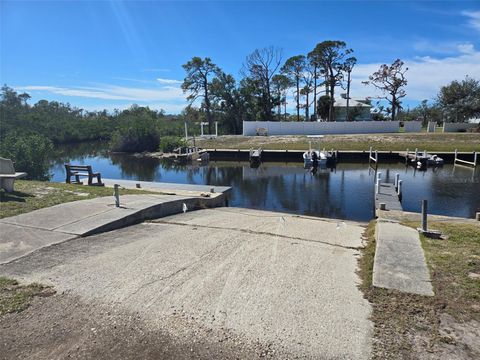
x,y
30,153
137,135
170,143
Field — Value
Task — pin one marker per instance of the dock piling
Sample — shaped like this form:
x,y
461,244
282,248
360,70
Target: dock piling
x,y
116,194
397,178
399,190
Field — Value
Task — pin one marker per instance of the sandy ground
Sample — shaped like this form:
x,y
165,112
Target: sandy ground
x,y
211,284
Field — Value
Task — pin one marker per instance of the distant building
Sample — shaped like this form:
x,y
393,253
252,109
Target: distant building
x,y
359,109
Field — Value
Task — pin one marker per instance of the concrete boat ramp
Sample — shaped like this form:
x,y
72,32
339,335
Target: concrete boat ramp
x,y
22,234
223,283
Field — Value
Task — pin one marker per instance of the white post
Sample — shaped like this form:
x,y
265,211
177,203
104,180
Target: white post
x,y
216,128
379,176
399,191
201,129
455,156
397,178
370,153
416,152
186,131
376,156
475,158
377,186
424,153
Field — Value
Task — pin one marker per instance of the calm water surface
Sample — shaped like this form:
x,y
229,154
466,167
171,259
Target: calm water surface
x,y
344,193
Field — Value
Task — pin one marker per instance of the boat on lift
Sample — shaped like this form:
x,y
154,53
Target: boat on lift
x,y
322,157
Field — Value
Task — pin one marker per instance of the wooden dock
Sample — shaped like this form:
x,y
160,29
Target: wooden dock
x,y
387,194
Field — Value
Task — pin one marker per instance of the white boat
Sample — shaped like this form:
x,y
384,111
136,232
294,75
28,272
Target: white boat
x,y
435,160
322,157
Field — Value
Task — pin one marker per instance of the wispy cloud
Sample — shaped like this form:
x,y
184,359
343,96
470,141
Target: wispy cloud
x,y
450,47
169,81
474,19
112,92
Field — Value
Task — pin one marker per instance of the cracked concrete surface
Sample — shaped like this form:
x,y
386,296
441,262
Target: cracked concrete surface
x,y
278,279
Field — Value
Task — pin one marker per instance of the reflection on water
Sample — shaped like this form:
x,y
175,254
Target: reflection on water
x,y
345,192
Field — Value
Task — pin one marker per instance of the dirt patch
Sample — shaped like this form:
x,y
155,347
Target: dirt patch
x,y
63,327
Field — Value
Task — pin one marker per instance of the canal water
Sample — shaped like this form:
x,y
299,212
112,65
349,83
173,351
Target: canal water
x,y
346,192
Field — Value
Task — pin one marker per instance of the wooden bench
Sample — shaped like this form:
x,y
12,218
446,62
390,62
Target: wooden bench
x,y
75,170
8,175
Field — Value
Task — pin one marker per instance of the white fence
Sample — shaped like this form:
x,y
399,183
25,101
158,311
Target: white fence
x,y
454,127
412,126
320,128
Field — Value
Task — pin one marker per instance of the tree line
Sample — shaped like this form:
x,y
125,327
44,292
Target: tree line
x,y
262,92
313,79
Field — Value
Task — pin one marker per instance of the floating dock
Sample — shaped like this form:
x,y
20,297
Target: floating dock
x,y
387,197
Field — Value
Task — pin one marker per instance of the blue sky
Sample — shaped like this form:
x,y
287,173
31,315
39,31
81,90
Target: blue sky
x,y
111,54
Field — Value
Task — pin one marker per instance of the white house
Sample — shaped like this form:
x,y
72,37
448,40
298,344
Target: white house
x,y
359,109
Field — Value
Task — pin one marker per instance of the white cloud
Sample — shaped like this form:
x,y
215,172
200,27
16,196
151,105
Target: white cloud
x,y
112,92
474,19
169,81
425,75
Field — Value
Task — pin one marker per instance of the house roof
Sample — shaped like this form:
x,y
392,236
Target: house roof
x,y
341,102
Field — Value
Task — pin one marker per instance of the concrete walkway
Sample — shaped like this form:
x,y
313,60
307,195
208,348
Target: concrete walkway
x,y
399,260
213,279
170,188
22,234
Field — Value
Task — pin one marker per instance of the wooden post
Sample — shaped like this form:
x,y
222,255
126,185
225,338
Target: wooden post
x,y
424,215
397,177
116,194
399,190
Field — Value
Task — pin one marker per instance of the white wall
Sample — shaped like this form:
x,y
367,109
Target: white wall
x,y
320,128
412,126
454,127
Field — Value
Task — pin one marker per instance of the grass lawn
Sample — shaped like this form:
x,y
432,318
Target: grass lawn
x,y
444,326
33,195
389,142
